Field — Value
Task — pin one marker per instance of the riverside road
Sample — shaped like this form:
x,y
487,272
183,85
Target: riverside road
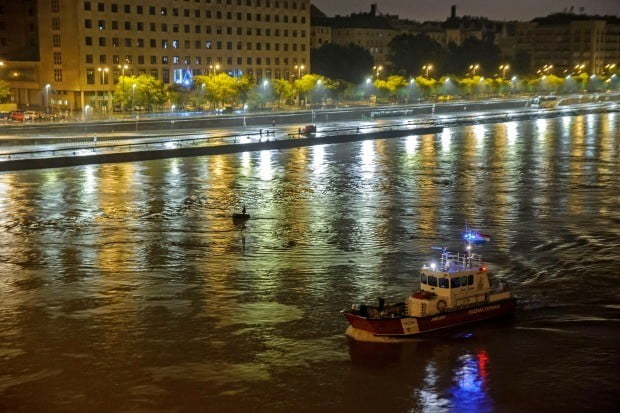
x,y
39,146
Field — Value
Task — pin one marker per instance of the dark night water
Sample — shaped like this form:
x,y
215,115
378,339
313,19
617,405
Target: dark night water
x,y
127,287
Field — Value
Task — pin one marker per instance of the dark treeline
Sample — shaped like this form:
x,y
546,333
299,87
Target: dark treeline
x,y
408,53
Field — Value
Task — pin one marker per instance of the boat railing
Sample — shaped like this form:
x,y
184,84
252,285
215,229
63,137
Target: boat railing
x,y
456,261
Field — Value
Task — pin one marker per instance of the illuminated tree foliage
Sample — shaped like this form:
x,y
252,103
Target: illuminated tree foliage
x,y
5,91
148,92
283,90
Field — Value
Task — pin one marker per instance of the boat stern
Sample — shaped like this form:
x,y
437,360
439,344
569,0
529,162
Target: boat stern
x,y
381,326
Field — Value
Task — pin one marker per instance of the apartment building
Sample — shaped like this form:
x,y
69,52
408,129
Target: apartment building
x,y
84,46
567,40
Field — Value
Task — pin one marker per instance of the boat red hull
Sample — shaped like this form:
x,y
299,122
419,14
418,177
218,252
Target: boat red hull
x,y
413,326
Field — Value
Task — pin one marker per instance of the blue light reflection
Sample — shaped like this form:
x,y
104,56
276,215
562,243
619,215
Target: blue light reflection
x,y
469,393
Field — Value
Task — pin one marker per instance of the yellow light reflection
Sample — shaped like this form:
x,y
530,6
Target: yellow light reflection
x,y
51,176
217,166
174,166
118,186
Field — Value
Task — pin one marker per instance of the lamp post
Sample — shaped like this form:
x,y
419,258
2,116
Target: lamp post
x,y
133,97
579,68
377,70
103,72
47,98
504,68
104,81
123,68
300,69
214,68
427,68
546,69
265,84
473,69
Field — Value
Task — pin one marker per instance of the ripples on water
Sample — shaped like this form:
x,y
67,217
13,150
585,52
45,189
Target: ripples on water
x,y
127,287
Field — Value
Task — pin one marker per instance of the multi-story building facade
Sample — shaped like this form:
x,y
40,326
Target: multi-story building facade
x,y
84,46
371,31
374,31
568,40
320,30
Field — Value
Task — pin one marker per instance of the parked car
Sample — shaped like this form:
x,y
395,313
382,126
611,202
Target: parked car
x,y
16,116
32,116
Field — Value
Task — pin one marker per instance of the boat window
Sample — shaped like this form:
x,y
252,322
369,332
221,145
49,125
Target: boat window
x,y
470,279
423,279
432,281
444,283
455,282
464,281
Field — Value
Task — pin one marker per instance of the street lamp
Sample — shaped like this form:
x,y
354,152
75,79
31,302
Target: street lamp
x,y
427,68
103,80
123,68
103,72
473,69
546,69
579,68
503,68
47,98
265,84
610,67
377,70
214,68
300,69
133,97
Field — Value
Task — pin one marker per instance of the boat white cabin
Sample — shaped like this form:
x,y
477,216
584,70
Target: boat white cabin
x,y
458,281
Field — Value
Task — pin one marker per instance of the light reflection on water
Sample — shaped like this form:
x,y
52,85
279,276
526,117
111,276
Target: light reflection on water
x,y
469,393
128,286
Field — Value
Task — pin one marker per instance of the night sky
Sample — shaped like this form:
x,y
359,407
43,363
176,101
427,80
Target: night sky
x,y
422,10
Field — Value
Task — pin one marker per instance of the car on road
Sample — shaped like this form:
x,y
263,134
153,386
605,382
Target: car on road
x,y
16,116
32,116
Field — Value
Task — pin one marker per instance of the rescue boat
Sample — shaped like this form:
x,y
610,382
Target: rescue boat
x,y
454,291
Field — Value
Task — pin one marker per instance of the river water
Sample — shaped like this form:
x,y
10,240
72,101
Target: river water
x,y
127,287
